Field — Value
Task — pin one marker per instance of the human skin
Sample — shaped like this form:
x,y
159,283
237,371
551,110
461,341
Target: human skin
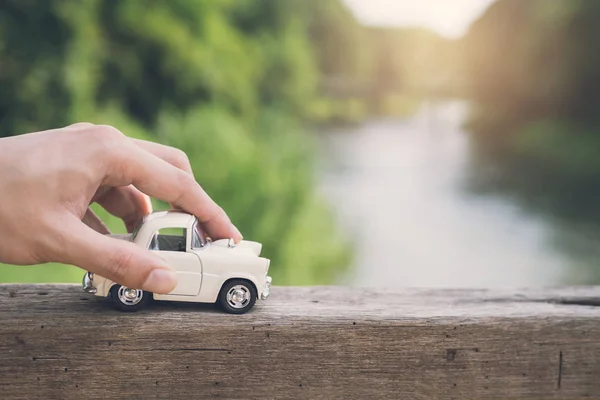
x,y
48,180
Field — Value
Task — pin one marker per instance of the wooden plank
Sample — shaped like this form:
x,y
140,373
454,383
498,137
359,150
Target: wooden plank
x,y
57,342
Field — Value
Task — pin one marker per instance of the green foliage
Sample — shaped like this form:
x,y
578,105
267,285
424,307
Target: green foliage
x,y
265,183
232,83
545,65
536,89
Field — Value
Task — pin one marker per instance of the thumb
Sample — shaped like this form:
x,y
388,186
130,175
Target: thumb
x,y
118,260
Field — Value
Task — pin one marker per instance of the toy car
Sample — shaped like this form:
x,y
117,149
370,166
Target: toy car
x,y
208,271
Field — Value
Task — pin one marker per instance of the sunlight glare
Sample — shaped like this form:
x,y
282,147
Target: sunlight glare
x,y
448,17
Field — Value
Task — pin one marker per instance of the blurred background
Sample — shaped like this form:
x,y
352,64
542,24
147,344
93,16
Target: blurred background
x,y
376,143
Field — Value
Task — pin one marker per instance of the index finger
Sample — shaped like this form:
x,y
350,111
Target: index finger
x,y
157,178
172,155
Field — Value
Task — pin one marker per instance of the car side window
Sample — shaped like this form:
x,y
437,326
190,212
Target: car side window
x,y
169,239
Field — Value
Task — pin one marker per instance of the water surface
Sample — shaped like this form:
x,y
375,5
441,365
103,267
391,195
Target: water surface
x,y
399,189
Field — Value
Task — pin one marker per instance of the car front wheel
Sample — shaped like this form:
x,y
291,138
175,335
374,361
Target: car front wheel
x,y
128,299
237,296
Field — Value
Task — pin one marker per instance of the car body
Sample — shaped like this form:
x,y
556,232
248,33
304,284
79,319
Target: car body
x,y
204,267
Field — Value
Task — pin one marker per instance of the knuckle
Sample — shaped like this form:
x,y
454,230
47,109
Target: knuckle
x,y
180,159
109,145
187,182
81,125
102,137
106,134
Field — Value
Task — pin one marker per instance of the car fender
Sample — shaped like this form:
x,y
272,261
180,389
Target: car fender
x,y
106,286
100,284
212,284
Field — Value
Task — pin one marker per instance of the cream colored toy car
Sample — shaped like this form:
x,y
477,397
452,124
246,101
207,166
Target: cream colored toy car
x,y
208,271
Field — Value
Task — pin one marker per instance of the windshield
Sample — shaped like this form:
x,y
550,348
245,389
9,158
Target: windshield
x,y
198,236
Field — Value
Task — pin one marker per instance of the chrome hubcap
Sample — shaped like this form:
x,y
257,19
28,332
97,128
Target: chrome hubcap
x,y
130,297
238,296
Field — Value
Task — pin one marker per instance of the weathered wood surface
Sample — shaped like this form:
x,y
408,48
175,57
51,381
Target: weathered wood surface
x,y
57,342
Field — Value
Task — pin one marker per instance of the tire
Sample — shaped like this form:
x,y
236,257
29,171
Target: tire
x,y
237,296
121,302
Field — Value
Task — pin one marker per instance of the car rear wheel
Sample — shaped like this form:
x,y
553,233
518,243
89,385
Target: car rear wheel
x,y
128,299
237,296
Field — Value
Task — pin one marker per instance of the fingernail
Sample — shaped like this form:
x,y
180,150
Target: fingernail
x,y
160,281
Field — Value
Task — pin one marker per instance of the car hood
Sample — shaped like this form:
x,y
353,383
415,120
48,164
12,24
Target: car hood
x,y
243,247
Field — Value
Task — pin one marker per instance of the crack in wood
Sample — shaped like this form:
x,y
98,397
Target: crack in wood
x,y
48,358
560,369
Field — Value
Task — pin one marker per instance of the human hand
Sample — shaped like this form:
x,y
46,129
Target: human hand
x,y
48,180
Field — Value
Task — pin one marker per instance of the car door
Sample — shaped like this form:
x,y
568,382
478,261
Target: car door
x,y
173,245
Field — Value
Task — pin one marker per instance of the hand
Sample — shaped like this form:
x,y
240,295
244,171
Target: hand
x,y
48,180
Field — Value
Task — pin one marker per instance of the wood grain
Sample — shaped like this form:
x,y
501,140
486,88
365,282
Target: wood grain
x,y
57,342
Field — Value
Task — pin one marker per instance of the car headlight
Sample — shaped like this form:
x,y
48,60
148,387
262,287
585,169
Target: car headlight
x,y
267,290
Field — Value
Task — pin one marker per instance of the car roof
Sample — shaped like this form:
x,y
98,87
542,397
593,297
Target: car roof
x,y
168,217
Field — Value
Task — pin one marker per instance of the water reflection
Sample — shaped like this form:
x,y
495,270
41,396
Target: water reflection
x,y
399,187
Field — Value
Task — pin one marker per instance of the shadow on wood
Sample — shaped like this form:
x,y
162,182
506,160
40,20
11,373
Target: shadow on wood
x,y
317,343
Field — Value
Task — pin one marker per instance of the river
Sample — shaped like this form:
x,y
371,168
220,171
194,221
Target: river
x,y
398,187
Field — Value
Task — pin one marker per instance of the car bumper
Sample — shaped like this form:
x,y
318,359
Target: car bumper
x,y
88,283
267,289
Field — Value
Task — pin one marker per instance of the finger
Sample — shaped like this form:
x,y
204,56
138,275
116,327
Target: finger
x,y
118,260
125,202
172,155
92,220
159,179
